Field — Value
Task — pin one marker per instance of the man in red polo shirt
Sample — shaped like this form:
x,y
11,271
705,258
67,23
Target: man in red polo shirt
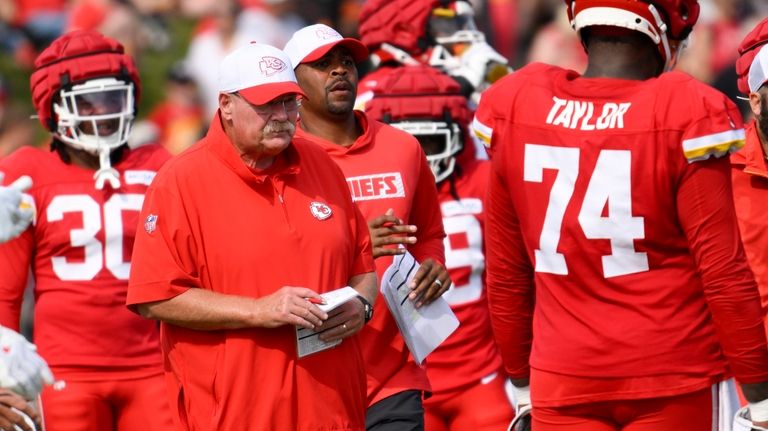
x,y
392,184
748,167
240,235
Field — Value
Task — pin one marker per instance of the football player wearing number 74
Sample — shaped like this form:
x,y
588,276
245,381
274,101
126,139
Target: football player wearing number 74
x,y
610,203
85,201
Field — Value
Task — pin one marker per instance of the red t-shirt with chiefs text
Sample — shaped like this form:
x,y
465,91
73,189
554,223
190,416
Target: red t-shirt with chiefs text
x,y
386,168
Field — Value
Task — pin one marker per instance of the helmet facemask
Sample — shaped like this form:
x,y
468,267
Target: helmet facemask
x,y
453,30
441,141
96,117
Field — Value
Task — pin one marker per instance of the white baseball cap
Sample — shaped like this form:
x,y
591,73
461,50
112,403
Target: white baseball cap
x,y
258,72
758,71
314,41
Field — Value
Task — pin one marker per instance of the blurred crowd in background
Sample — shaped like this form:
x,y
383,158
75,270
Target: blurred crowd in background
x,y
179,43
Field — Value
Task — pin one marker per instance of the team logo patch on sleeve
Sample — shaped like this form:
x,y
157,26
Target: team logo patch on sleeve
x,y
320,210
150,225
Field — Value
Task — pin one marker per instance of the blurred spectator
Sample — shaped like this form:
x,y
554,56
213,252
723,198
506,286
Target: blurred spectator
x,y
16,129
178,119
133,23
27,26
557,44
228,28
713,42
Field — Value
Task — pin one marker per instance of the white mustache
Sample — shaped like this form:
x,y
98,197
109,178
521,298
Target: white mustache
x,y
274,127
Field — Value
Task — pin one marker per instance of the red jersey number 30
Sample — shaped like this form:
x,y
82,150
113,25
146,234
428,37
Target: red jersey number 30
x,y
97,254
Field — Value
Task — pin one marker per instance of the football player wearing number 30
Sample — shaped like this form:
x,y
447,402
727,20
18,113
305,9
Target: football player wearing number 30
x,y
86,197
617,280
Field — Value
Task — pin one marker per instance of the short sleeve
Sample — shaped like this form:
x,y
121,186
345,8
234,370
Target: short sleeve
x,y
717,129
163,263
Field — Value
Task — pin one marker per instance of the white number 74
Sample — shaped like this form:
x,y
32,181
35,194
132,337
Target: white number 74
x,y
609,184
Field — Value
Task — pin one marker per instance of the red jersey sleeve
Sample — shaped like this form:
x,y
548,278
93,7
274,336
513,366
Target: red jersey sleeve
x,y
509,279
15,260
162,263
706,213
717,128
425,214
364,248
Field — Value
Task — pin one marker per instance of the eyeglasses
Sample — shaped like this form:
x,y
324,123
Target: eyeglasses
x,y
289,106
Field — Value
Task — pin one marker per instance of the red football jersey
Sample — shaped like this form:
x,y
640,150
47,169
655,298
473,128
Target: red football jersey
x,y
386,168
470,353
612,198
79,250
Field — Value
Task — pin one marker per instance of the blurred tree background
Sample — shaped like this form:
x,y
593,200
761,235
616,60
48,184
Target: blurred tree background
x,y
153,65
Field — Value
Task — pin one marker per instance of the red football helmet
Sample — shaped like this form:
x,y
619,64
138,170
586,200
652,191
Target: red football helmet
x,y
428,104
748,49
660,20
85,90
416,26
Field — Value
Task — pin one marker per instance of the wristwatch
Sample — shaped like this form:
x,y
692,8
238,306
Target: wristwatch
x,y
368,315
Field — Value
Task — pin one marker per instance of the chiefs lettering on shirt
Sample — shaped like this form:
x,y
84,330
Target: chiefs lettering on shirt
x,y
386,168
611,200
377,186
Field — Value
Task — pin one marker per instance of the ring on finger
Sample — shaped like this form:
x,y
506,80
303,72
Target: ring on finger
x,y
344,326
438,282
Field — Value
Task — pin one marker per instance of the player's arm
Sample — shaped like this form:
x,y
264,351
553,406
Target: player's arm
x,y
706,213
207,310
431,279
509,281
15,255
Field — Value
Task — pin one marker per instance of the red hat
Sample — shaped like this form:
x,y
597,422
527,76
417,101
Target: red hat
x,y
750,79
74,58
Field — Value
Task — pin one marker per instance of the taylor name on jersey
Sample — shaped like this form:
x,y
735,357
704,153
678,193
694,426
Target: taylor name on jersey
x,y
574,114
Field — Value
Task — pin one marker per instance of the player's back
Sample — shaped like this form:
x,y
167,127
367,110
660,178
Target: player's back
x,y
593,167
79,249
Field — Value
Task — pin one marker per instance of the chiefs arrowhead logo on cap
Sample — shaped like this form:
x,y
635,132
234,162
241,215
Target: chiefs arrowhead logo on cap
x,y
271,65
327,33
320,210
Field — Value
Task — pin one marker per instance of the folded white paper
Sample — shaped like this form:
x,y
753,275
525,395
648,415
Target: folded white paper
x,y
308,340
424,328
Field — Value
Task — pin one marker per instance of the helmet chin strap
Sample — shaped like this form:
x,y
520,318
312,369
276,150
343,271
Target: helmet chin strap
x,y
106,172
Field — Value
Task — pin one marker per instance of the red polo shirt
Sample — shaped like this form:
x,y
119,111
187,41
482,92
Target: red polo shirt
x,y
209,222
750,195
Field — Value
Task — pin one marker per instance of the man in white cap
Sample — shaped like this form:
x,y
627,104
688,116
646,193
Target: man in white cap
x,y
393,185
241,234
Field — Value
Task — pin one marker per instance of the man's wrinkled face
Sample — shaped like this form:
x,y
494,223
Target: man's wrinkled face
x,y
330,83
260,130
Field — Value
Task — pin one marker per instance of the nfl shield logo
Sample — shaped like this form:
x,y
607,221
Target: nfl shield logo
x,y
151,224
